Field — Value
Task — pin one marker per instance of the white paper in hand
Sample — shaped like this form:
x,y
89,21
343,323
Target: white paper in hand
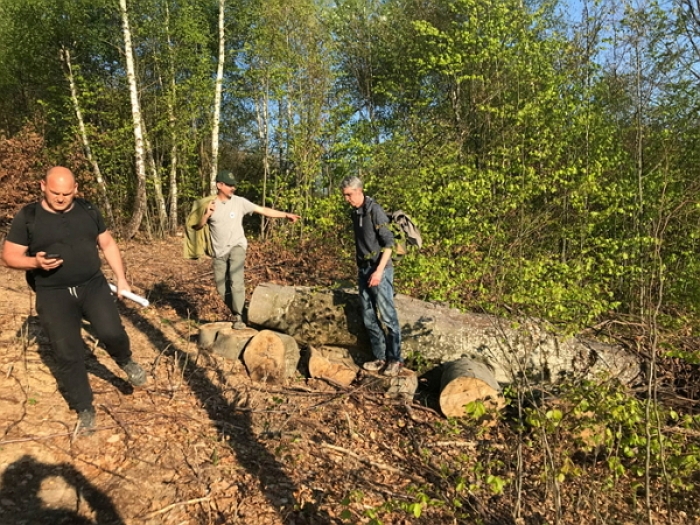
x,y
136,298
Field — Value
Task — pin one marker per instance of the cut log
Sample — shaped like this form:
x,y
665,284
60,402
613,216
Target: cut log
x,y
230,343
208,331
292,355
268,356
513,347
464,381
332,363
403,386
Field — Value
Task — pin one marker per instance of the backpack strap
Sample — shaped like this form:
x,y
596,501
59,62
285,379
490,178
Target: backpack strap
x,y
30,217
89,208
373,215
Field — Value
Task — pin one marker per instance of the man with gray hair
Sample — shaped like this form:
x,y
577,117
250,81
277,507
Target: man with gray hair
x,y
375,276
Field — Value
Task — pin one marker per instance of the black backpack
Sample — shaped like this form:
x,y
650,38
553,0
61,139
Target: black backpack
x,y
30,217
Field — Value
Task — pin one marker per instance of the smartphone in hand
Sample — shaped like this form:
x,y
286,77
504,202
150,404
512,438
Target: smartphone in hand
x,y
52,256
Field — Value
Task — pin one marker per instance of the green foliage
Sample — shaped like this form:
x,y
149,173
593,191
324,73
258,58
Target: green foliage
x,y
604,420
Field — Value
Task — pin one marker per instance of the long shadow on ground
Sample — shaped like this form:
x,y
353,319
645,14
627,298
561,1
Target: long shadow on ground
x,y
237,429
21,502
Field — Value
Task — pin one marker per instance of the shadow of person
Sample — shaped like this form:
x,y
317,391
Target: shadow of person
x,y
237,427
27,496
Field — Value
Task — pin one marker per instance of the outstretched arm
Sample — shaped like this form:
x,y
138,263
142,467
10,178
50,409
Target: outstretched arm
x,y
114,258
276,214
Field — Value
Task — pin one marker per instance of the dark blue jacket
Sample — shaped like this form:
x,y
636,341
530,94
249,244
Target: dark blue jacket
x,y
372,235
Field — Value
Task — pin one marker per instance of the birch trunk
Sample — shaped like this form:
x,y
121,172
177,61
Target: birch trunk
x,y
106,205
172,122
217,100
140,200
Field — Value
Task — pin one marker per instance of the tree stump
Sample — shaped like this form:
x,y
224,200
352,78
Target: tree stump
x,y
333,363
208,331
464,381
230,343
266,357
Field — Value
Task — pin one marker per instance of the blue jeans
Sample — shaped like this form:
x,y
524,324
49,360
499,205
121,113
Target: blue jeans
x,y
379,314
228,276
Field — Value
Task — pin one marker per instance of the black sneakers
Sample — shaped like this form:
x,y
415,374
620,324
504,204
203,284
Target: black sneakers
x,y
86,421
134,372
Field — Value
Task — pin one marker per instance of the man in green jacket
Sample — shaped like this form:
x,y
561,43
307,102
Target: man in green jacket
x,y
224,218
197,241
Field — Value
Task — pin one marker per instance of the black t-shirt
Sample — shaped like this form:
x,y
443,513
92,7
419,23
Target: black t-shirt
x,y
71,234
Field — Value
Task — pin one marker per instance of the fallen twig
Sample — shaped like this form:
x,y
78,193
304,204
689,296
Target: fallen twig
x,y
453,444
173,505
376,464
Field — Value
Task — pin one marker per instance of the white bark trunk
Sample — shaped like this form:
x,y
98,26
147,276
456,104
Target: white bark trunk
x,y
106,205
217,99
262,114
172,122
140,201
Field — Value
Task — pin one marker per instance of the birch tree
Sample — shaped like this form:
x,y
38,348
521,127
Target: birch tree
x,y
139,152
217,99
107,207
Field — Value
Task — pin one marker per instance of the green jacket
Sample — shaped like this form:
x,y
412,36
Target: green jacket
x,y
197,242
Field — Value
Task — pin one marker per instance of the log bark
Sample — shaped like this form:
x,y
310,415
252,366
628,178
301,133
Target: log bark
x,y
512,347
464,381
208,331
332,363
220,338
268,357
292,355
230,343
403,386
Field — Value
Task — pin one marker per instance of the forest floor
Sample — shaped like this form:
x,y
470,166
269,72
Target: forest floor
x,y
201,443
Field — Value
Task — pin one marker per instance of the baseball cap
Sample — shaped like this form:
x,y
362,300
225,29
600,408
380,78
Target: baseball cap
x,y
227,178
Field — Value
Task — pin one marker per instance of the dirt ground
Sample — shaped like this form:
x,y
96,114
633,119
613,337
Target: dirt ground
x,y
199,443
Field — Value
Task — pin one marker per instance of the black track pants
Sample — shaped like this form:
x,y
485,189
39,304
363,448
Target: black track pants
x,y
61,311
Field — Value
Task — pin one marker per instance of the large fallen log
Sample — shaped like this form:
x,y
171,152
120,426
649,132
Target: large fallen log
x,y
512,347
464,381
